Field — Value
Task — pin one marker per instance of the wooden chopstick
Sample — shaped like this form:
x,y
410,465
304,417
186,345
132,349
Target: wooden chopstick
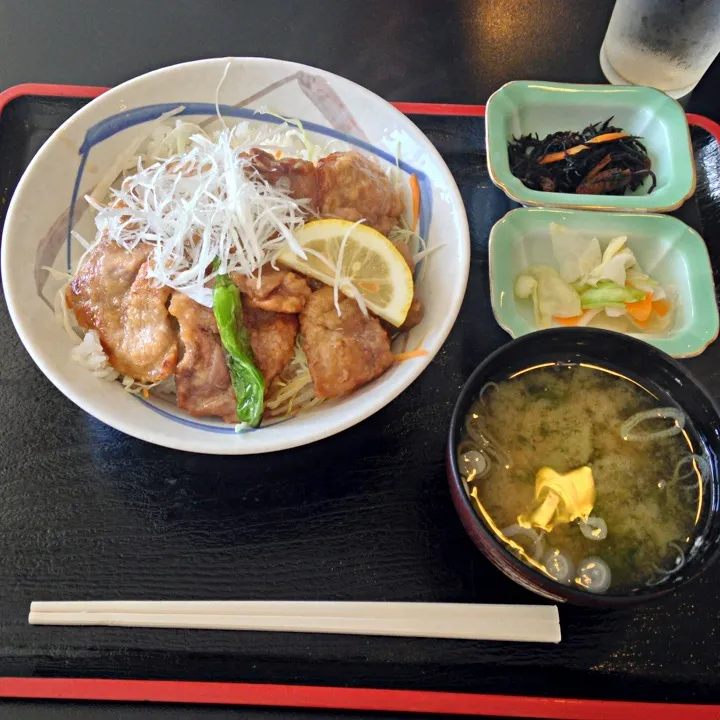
x,y
521,623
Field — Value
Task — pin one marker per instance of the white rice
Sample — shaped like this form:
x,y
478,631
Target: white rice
x,y
90,354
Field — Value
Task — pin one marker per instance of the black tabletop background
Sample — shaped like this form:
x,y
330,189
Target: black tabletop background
x,y
414,50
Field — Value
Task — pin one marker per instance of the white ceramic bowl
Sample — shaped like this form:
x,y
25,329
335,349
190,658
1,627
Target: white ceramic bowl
x,y
74,159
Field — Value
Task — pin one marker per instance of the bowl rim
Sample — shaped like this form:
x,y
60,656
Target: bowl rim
x,y
231,444
488,543
498,176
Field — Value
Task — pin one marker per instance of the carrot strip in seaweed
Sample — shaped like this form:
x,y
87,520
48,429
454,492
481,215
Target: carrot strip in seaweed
x,y
601,159
598,168
607,137
556,156
606,182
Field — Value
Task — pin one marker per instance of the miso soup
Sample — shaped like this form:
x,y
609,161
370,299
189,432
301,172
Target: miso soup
x,y
588,475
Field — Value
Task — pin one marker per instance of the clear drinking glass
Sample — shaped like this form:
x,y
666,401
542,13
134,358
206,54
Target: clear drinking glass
x,y
667,44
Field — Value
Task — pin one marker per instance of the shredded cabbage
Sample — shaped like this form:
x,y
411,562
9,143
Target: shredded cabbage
x,y
525,286
167,141
604,282
642,281
128,158
582,263
615,261
311,151
575,259
551,295
295,392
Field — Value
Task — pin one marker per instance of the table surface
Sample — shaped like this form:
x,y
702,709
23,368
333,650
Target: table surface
x,y
413,50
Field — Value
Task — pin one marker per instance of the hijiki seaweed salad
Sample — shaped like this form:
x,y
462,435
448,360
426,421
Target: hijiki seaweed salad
x,y
245,273
599,160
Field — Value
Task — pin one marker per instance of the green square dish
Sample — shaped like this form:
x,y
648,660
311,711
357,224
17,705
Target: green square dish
x,y
523,107
668,250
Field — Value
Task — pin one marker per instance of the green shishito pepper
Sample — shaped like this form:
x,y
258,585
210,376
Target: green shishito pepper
x,y
247,380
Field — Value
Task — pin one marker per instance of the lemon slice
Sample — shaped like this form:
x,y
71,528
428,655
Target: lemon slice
x,y
370,262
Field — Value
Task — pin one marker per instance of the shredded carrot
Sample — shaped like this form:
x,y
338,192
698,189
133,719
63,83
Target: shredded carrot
x,y
607,137
415,187
661,307
146,393
642,323
411,354
557,156
568,321
278,154
640,310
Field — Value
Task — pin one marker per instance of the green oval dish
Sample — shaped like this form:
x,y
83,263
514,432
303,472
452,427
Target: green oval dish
x,y
668,250
523,107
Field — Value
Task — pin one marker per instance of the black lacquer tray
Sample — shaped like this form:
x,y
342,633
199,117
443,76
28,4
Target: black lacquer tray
x,y
89,513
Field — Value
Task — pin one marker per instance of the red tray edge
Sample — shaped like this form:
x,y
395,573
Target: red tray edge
x,y
409,108
336,698
343,698
45,90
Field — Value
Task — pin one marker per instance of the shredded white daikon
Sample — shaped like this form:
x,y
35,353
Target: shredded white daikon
x,y
204,203
128,157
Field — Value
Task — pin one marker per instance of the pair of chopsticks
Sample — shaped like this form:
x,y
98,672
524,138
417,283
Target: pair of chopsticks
x,y
521,623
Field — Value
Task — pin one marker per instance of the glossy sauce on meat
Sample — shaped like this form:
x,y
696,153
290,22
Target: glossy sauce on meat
x,y
112,294
353,187
343,352
299,176
202,379
278,290
272,338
